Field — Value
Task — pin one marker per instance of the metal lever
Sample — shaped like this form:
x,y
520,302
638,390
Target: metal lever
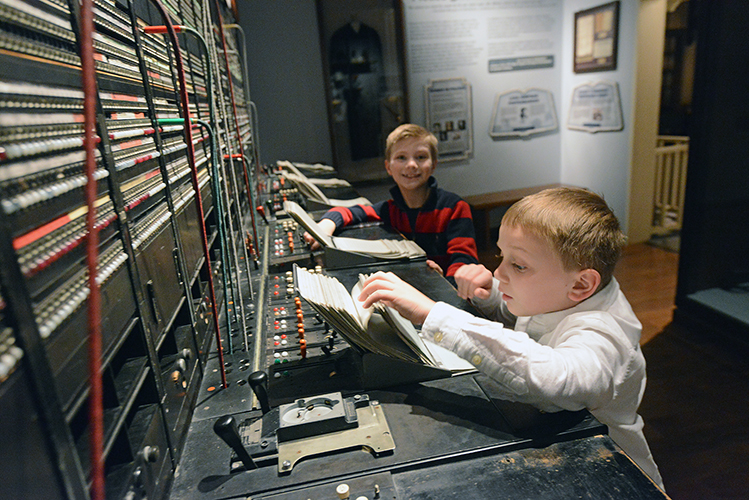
x,y
259,382
226,428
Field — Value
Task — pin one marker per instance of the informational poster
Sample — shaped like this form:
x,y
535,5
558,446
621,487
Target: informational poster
x,y
493,35
596,107
495,45
522,113
448,116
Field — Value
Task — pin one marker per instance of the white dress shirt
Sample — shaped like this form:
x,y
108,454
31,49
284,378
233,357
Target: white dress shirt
x,y
587,356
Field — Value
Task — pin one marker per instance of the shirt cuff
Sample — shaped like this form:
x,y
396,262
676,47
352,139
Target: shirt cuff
x,y
336,217
442,325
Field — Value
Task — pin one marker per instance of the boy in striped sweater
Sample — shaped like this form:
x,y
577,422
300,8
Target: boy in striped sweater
x,y
437,220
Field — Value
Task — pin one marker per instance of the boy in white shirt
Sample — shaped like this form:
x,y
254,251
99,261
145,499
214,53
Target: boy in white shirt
x,y
565,337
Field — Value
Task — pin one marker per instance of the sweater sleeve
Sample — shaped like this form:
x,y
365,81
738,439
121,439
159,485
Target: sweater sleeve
x,y
345,216
461,241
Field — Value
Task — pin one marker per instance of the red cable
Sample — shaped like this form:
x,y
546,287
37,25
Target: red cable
x,y
95,406
236,122
184,98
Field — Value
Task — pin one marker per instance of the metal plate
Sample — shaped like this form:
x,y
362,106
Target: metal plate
x,y
372,433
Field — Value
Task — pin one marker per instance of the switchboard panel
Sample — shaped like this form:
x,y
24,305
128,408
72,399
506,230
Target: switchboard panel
x,y
164,202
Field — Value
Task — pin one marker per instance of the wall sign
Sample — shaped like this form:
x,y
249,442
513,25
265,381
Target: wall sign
x,y
596,107
522,113
520,63
448,115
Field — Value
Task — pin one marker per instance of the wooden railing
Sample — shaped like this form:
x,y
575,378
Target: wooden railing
x,y
671,157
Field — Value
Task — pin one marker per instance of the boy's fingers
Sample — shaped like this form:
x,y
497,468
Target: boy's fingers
x,y
311,241
377,296
433,265
379,275
373,285
371,278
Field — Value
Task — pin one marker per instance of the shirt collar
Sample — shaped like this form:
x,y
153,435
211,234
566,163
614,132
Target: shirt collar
x,y
395,192
542,324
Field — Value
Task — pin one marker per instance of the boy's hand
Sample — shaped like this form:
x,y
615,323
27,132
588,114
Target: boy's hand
x,y
327,226
474,280
434,266
311,241
396,293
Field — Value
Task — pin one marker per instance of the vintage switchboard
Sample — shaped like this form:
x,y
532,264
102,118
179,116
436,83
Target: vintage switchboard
x,y
218,380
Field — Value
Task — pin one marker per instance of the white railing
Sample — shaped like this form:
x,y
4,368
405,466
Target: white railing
x,y
671,155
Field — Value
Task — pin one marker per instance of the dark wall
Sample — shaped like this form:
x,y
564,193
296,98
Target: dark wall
x,y
286,79
715,237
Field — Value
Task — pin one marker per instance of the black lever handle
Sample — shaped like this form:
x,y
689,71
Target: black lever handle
x,y
259,382
226,428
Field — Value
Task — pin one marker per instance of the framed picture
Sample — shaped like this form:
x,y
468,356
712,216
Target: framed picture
x,y
596,38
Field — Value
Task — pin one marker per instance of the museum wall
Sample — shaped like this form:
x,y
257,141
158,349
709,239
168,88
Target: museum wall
x,y
287,86
286,79
458,40
601,161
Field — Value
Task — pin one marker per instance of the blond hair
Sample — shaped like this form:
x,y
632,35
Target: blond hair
x,y
576,223
409,130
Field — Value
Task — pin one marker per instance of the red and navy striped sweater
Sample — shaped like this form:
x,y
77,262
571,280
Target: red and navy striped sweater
x,y
443,227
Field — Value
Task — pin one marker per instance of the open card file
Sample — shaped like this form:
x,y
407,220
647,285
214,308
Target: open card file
x,y
310,187
384,248
379,329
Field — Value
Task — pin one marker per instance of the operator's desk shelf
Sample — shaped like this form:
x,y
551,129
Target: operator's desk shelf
x,y
451,438
454,438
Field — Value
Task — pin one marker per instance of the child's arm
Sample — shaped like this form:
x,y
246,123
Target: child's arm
x,y
415,306
575,367
575,370
327,226
338,217
461,241
345,216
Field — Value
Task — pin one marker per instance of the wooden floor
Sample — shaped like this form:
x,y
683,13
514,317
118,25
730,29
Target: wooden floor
x,y
696,404
647,276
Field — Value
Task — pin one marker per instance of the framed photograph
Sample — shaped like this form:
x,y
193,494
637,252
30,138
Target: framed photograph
x,y
596,38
